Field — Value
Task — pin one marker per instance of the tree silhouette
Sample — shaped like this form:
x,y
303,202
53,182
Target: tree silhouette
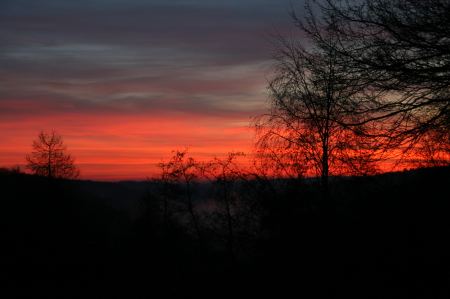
x,y
226,175
312,95
49,157
401,50
184,171
433,150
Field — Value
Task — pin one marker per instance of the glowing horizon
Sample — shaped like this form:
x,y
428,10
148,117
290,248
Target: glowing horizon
x,y
130,147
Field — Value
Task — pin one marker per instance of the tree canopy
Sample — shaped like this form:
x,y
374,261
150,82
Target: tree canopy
x,y
400,49
50,158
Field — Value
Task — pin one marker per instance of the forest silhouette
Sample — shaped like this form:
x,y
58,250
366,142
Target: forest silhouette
x,y
315,214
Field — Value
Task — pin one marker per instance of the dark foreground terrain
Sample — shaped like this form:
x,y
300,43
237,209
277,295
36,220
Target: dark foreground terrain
x,y
374,237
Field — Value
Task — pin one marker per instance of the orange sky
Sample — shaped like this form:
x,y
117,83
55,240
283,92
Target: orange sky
x,y
115,147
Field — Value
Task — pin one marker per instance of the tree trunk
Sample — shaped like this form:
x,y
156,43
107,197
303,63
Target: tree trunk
x,y
49,164
191,211
325,171
324,181
229,223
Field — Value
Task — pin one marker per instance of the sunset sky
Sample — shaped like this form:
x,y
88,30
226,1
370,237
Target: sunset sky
x,y
125,82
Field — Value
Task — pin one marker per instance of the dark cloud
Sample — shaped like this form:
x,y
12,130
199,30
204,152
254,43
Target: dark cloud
x,y
127,81
135,55
190,24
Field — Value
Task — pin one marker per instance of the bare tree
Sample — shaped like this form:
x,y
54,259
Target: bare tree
x,y
50,158
167,188
433,150
183,170
401,50
312,95
226,174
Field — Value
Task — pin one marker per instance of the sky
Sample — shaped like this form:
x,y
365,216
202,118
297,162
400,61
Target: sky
x,y
126,82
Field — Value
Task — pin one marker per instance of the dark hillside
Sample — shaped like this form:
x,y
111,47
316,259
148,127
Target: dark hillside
x,y
385,237
378,237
